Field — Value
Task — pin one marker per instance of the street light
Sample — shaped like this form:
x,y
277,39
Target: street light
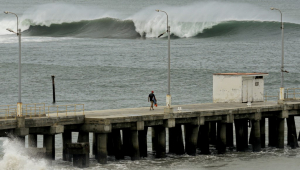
x,y
168,108
281,96
18,33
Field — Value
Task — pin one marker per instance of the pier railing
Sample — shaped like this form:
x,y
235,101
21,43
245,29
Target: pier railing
x,y
292,93
271,97
40,110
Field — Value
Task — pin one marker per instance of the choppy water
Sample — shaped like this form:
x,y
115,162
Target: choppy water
x,y
105,54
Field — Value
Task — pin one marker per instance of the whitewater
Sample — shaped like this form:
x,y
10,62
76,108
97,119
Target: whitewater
x,y
185,21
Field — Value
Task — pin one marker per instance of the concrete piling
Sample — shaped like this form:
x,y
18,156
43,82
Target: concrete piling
x,y
110,145
83,137
293,142
160,133
48,144
191,139
66,138
203,139
241,130
178,142
117,142
221,137
172,140
135,152
291,127
153,139
32,140
101,148
142,135
229,135
280,139
126,142
80,152
273,131
256,142
263,132
212,133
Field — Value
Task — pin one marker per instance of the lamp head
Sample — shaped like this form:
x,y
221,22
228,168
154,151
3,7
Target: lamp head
x,y
272,8
5,12
157,10
9,30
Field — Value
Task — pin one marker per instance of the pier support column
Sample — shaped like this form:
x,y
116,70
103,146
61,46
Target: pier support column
x,y
241,131
94,150
229,135
48,144
263,132
118,150
203,139
221,138
256,142
83,137
191,139
110,145
143,142
280,139
135,154
66,138
153,139
101,148
160,133
291,127
172,140
127,146
32,140
273,131
178,142
212,133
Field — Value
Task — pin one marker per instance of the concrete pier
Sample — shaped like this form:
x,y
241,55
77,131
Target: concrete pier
x,y
123,132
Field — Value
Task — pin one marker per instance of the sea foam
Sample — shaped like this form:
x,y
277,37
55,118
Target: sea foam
x,y
15,157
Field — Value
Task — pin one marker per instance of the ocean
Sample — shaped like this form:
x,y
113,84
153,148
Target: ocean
x,y
105,54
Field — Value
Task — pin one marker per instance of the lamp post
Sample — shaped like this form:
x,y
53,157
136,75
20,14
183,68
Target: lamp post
x,y
168,108
18,33
281,96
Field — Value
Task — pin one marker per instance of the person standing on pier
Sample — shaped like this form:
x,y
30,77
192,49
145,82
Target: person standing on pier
x,y
152,99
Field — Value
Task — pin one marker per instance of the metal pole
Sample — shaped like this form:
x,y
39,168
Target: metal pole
x,y
53,88
19,34
169,62
282,57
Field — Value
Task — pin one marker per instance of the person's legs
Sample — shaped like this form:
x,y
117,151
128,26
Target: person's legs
x,y
151,105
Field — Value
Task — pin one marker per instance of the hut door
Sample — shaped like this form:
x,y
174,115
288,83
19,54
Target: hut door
x,y
247,90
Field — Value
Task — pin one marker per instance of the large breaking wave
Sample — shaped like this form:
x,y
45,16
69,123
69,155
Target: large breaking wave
x,y
203,19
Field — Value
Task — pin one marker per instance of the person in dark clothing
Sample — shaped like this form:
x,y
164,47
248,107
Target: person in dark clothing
x,y
152,99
